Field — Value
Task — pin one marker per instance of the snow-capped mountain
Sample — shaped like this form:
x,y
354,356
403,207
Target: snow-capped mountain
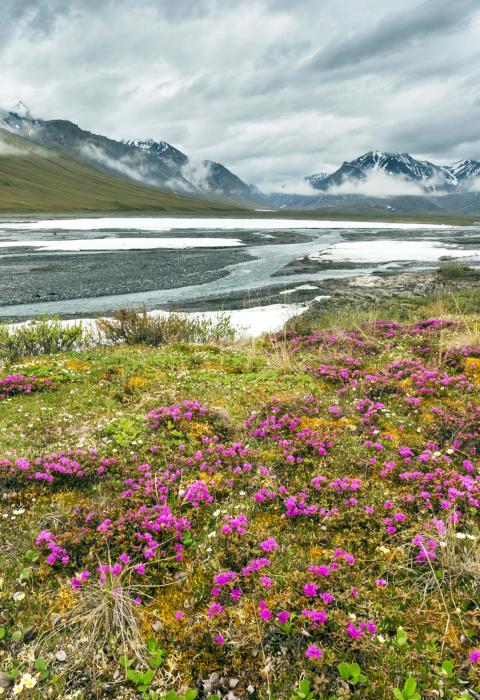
x,y
154,163
161,149
316,179
465,170
429,176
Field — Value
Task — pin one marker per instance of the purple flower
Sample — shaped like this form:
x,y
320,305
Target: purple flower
x,y
353,632
283,617
474,656
314,652
269,545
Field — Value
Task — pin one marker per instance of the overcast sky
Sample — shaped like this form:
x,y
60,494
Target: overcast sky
x,y
274,89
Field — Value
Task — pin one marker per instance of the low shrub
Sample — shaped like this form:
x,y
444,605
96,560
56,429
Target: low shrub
x,y
452,269
138,327
41,337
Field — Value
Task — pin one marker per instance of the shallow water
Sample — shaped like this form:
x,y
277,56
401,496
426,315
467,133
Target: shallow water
x,y
244,277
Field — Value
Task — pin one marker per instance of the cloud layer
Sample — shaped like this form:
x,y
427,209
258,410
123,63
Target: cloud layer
x,y
275,90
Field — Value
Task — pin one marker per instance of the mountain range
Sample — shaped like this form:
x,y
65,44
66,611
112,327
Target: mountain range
x,y
157,164
428,176
39,180
395,182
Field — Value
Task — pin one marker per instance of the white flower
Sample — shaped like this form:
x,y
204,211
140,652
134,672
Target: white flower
x,y
28,680
381,638
17,688
18,596
460,535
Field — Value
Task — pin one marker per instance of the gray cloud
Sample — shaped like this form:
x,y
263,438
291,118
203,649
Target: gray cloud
x,y
273,89
399,30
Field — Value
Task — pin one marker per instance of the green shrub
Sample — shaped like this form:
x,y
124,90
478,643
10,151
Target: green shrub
x,y
453,269
138,327
41,337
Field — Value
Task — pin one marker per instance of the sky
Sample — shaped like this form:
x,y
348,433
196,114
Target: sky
x,y
273,89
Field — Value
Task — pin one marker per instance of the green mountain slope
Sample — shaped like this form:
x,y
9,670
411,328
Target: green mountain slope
x,y
34,179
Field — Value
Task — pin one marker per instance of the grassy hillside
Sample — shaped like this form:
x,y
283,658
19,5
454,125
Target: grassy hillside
x,y
38,180
295,517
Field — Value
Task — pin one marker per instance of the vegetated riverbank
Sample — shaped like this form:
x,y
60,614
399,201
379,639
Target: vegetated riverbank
x,y
261,519
362,291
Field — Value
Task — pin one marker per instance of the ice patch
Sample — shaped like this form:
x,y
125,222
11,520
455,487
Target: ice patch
x,y
93,244
171,224
298,289
383,251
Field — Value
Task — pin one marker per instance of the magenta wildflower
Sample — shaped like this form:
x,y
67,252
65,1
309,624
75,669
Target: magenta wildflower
x,y
215,610
314,652
269,545
310,589
283,617
353,632
474,656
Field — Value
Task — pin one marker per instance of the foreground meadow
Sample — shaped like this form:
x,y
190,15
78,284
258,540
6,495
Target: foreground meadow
x,y
295,517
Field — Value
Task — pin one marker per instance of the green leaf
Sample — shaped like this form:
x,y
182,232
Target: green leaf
x,y
402,637
17,636
151,645
447,668
304,686
344,670
398,694
41,665
25,573
134,676
409,687
191,694
3,632
125,662
14,673
31,555
147,677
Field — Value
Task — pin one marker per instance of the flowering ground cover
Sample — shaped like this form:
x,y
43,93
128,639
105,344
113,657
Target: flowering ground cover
x,y
291,518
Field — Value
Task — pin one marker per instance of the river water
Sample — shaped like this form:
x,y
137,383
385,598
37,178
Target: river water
x,y
30,252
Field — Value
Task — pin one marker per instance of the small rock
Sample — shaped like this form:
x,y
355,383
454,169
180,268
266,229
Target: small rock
x,y
233,682
4,680
60,655
29,635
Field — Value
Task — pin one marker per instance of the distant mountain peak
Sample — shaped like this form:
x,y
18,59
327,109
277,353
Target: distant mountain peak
x,y
21,110
316,178
147,144
155,163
